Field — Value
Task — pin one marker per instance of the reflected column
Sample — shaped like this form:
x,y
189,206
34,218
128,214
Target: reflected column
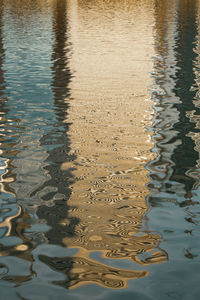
x,y
173,77
194,115
185,156
56,191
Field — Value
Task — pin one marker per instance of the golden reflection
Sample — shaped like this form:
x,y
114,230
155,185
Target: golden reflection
x,y
80,271
111,45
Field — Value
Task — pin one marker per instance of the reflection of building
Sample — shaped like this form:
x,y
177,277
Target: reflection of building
x,y
163,94
176,156
108,112
80,162
185,157
81,270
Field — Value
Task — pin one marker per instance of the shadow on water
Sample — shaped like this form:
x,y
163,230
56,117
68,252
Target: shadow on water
x,y
60,179
176,36
185,156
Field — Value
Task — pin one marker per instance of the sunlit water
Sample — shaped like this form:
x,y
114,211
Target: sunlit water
x,y
99,145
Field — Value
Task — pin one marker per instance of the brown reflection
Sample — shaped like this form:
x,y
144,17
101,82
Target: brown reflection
x,y
80,271
108,113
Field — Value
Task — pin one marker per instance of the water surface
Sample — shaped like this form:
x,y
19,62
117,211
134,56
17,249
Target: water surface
x,y
99,165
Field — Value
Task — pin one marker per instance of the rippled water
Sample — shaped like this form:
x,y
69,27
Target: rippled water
x,y
99,149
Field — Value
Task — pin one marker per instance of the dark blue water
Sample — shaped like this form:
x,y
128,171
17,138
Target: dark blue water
x,y
99,149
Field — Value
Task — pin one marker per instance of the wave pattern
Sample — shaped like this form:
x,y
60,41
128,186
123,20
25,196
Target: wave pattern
x,y
75,112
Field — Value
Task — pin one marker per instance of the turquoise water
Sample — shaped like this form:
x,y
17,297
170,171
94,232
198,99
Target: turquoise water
x,y
99,149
